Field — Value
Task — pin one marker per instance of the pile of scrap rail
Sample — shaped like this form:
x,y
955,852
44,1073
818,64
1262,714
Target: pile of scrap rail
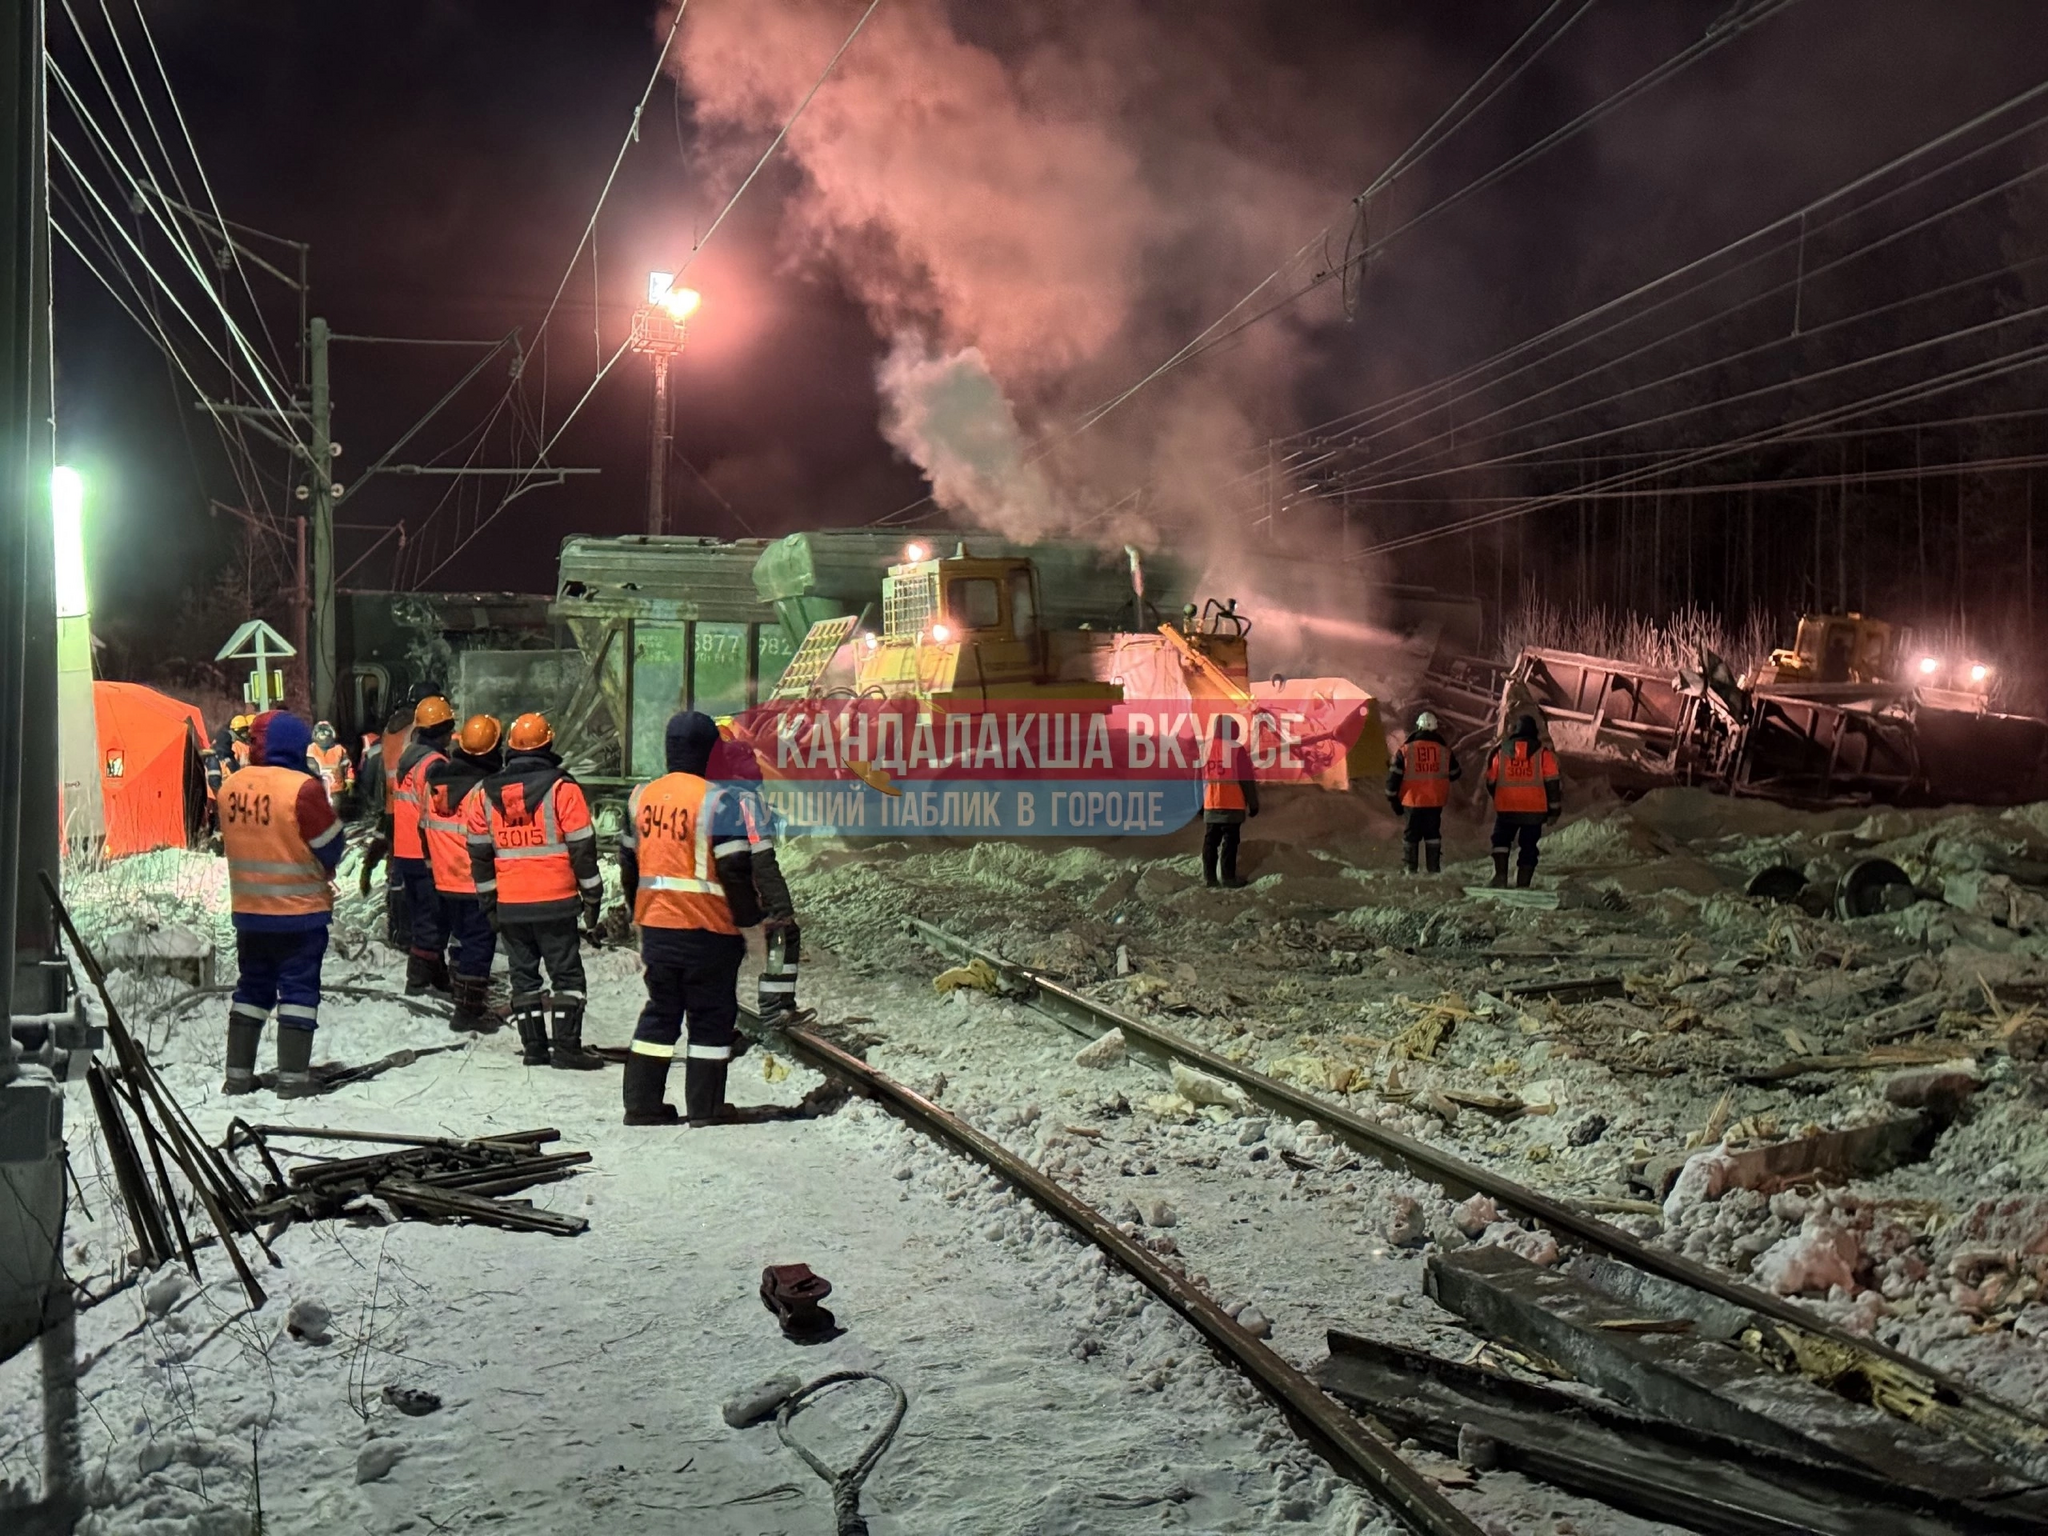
x,y
1644,726
435,1178
1707,1414
148,1135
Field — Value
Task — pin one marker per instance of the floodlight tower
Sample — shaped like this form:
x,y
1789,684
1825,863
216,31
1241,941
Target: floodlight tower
x,y
658,331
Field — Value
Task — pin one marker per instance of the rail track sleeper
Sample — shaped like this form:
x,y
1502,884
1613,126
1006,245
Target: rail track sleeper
x,y
2010,1435
1645,1466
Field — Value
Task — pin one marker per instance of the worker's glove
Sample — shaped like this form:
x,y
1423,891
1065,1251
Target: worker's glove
x,y
1394,804
1550,818
593,916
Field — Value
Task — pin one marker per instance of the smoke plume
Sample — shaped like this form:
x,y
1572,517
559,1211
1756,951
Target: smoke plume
x,y
1037,204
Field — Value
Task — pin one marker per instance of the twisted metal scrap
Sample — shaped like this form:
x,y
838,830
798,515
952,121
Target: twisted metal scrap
x,y
845,1485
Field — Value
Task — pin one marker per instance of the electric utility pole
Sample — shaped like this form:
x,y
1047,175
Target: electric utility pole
x,y
320,659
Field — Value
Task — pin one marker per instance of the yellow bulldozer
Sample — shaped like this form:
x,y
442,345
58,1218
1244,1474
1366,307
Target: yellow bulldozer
x,y
966,629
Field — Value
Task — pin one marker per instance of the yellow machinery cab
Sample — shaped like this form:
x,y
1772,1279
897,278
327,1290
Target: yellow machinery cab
x,y
1838,648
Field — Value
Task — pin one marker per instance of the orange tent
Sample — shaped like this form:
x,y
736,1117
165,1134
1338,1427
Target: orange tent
x,y
152,781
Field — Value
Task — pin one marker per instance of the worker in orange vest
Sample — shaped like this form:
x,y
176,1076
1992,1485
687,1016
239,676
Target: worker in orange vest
x,y
1229,795
533,853
1419,783
426,967
445,827
283,842
329,759
1527,793
697,864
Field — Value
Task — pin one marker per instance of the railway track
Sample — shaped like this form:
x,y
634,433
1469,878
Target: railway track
x,y
1699,1477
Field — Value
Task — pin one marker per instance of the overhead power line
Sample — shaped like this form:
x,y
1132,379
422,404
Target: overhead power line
x,y
1729,28
520,487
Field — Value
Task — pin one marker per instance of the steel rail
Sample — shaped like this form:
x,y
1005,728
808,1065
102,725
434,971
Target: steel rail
x,y
2005,1433
1335,1431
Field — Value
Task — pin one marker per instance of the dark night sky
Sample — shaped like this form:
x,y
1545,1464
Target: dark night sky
x,y
441,156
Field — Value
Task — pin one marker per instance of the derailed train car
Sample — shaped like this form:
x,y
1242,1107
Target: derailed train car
x,y
1789,737
662,623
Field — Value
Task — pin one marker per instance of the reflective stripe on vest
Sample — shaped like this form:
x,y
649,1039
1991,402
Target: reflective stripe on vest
x,y
1518,779
1427,777
679,887
271,870
447,844
408,805
531,872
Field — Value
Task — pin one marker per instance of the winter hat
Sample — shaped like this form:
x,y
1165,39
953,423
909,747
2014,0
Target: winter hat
x,y
691,738
284,739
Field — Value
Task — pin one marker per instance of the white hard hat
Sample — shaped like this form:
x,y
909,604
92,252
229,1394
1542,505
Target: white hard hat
x,y
1425,721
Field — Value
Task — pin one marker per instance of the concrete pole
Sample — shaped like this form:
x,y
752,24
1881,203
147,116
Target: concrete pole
x,y
657,466
321,662
39,976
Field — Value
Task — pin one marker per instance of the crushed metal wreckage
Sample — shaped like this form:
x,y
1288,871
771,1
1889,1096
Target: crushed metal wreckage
x,y
1784,738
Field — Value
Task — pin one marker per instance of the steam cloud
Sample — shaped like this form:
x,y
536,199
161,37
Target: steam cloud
x,y
1038,203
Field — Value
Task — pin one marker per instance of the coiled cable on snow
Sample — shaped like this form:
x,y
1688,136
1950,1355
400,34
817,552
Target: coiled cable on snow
x,y
846,1484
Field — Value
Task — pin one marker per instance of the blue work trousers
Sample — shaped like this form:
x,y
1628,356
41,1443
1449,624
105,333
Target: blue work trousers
x,y
429,917
281,971
475,943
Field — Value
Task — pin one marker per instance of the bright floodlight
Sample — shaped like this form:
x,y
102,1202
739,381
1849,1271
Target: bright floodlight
x,y
681,303
912,553
941,633
1929,666
67,517
1978,672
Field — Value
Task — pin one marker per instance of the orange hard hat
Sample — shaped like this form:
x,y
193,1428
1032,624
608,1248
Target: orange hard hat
x,y
432,711
530,733
479,735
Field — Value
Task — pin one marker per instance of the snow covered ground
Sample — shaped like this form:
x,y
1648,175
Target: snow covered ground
x,y
582,1378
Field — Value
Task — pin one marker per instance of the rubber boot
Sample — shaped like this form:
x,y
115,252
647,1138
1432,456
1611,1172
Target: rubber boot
x,y
1500,869
1524,873
646,1080
419,973
568,1053
1410,856
472,1012
1433,855
442,981
531,1015
294,1062
775,992
704,1092
245,1034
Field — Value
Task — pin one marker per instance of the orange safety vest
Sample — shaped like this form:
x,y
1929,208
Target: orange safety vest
x,y
1223,795
1518,777
1426,778
529,843
393,749
408,805
445,830
333,765
271,870
671,828
242,750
